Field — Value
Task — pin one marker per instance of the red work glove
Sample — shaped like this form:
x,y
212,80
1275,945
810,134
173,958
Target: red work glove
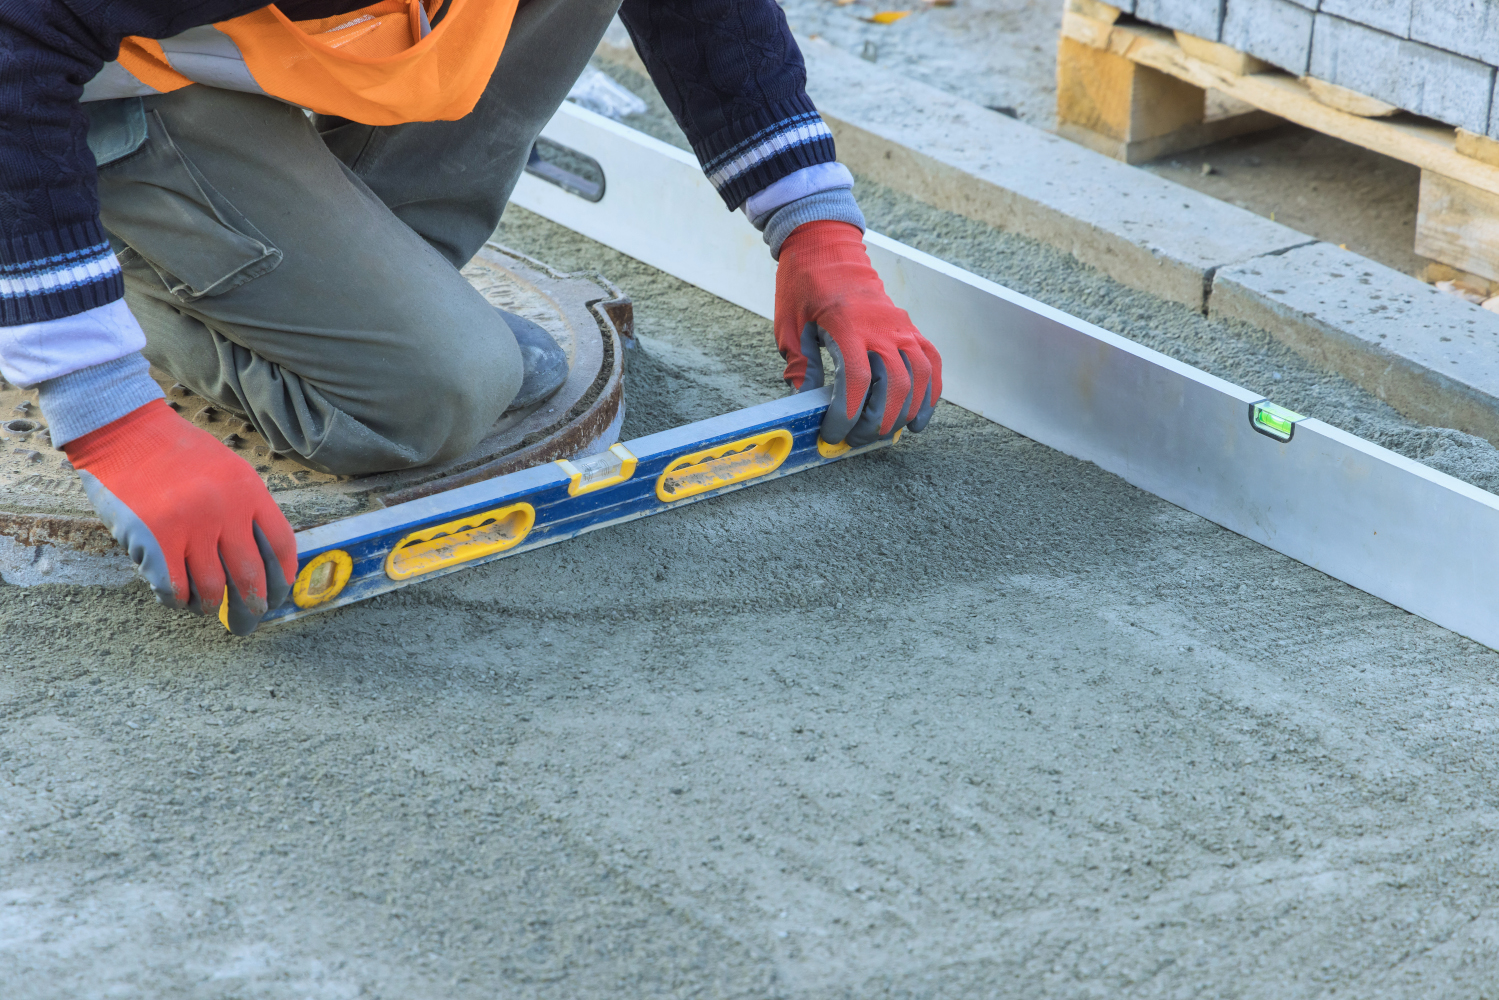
x,y
887,375
192,514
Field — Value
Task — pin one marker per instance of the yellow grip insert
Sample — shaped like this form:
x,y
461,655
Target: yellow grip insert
x,y
319,582
460,541
831,450
843,447
322,579
714,468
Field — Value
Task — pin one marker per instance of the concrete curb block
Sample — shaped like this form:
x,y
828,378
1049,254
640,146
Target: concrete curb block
x,y
956,155
1430,355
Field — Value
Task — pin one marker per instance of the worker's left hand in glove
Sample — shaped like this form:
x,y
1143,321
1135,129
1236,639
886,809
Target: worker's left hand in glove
x,y
193,515
887,375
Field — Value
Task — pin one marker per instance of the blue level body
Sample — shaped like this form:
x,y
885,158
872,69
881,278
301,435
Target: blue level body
x,y
368,554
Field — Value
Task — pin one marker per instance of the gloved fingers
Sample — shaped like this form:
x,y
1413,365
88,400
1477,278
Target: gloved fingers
x,y
923,413
194,602
851,386
788,335
166,576
935,360
933,393
919,368
255,582
244,569
897,390
271,525
803,360
870,425
796,369
240,616
277,581
812,337
206,580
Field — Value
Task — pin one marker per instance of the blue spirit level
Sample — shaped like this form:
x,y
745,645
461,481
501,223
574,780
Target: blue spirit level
x,y
361,556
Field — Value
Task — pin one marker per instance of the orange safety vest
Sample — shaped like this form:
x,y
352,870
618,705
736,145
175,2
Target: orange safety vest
x,y
381,65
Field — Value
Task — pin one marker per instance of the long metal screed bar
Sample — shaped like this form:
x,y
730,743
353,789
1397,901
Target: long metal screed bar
x,y
1422,540
358,557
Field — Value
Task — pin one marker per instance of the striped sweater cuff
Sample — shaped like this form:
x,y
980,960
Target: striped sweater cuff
x,y
52,275
754,153
837,205
89,398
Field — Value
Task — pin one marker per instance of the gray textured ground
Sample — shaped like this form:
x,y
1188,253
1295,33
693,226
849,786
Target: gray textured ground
x,y
965,718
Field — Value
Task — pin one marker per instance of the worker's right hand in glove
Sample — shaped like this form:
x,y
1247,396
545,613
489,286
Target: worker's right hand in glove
x,y
193,515
888,376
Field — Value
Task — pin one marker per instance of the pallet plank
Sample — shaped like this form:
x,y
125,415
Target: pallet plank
x,y
1458,224
1134,113
1423,144
1121,99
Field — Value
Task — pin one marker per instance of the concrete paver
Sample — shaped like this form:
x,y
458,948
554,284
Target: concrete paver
x,y
1429,354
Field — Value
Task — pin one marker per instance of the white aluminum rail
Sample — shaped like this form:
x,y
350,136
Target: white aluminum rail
x,y
1418,538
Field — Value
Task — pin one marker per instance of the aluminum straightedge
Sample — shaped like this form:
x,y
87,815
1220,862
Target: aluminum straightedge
x,y
1420,539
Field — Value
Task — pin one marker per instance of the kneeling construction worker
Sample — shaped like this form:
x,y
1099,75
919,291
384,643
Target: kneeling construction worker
x,y
165,198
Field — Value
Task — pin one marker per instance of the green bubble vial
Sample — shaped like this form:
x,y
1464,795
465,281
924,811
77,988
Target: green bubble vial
x,y
1273,421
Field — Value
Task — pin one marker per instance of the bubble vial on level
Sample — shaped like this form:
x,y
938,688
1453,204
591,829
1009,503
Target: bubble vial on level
x,y
1273,421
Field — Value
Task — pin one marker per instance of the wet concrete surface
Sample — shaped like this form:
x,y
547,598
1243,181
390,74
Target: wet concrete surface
x,y
965,718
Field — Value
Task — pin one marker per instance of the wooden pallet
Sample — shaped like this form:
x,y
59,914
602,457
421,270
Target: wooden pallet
x,y
1135,92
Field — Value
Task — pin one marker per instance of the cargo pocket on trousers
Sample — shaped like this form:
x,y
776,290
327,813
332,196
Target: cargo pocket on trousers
x,y
162,206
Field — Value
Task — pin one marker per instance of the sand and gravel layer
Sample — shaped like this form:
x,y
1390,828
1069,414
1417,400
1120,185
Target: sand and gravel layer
x,y
965,718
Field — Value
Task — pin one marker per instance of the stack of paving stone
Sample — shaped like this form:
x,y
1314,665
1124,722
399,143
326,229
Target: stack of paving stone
x,y
1432,57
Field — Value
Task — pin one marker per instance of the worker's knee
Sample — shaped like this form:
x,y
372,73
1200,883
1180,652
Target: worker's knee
x,y
418,380
450,386
429,395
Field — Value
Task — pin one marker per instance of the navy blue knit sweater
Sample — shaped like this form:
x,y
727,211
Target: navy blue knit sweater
x,y
729,70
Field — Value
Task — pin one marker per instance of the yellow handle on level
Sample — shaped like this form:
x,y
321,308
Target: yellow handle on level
x,y
460,541
321,579
713,468
319,582
834,450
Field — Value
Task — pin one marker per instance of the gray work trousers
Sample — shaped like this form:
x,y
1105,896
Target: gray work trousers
x,y
305,273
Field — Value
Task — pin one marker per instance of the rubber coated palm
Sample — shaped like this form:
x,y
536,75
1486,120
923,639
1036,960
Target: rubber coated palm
x,y
195,518
886,374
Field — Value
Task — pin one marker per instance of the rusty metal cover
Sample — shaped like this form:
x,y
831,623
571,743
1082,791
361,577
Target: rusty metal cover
x,y
42,502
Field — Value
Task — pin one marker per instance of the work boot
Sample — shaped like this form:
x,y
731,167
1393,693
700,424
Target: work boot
x,y
543,362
